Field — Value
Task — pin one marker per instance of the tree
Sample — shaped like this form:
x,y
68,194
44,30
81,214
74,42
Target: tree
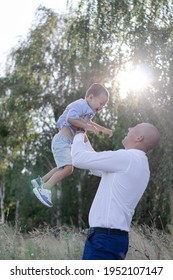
x,y
61,57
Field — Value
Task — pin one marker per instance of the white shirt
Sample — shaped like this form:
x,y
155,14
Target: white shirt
x,y
124,178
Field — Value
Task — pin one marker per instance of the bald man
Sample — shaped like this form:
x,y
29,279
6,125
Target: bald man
x,y
124,177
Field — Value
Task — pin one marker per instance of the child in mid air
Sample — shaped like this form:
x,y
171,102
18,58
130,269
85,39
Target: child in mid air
x,y
77,115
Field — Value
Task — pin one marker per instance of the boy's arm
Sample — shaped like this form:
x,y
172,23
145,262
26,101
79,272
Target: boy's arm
x,y
102,129
76,110
81,123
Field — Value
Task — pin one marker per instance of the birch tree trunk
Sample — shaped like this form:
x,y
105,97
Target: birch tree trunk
x,y
171,208
17,212
2,197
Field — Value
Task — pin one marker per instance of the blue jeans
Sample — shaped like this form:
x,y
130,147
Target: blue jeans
x,y
100,246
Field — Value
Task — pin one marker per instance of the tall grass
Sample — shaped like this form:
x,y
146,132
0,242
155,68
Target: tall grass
x,y
150,244
40,244
67,244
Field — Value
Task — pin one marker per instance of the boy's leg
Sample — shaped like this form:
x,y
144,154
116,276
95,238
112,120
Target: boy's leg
x,y
38,182
44,193
46,177
57,176
61,148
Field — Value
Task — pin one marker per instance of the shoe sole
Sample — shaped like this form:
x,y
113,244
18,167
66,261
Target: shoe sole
x,y
37,194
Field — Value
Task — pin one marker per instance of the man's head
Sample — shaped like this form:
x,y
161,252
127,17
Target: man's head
x,y
143,136
97,96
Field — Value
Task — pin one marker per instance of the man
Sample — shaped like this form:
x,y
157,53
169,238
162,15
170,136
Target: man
x,y
124,177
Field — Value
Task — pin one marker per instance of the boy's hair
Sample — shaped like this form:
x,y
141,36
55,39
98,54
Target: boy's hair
x,y
97,89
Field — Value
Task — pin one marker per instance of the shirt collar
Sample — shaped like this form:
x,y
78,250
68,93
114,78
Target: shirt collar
x,y
92,112
137,151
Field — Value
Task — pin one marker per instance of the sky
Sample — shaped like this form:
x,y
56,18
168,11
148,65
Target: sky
x,y
16,17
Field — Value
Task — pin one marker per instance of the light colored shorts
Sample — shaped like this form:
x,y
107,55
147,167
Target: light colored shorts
x,y
61,149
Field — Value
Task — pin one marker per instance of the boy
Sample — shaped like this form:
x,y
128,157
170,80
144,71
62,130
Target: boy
x,y
77,115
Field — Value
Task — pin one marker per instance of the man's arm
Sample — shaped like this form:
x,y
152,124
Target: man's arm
x,y
108,161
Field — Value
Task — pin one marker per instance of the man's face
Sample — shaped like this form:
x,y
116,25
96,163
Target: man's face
x,y
143,135
131,137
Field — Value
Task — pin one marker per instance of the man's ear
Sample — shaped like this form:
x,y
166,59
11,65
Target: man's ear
x,y
139,138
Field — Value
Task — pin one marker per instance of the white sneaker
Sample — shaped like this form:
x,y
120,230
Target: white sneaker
x,y
37,182
44,196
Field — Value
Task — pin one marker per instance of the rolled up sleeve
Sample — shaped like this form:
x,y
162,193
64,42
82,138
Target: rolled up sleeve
x,y
76,109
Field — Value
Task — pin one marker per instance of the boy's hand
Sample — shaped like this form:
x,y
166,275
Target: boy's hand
x,y
108,132
92,128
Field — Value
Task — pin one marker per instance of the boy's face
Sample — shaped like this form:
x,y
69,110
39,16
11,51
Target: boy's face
x,y
97,102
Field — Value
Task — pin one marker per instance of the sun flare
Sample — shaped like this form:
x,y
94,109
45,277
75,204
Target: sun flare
x,y
133,78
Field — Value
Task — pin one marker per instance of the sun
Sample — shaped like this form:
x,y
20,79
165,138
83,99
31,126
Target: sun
x,y
133,78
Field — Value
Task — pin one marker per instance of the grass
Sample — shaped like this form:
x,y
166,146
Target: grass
x,y
67,244
150,244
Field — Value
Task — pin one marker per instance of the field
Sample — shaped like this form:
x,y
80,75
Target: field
x,y
67,244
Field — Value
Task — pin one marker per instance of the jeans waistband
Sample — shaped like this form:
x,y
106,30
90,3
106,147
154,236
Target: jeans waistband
x,y
111,231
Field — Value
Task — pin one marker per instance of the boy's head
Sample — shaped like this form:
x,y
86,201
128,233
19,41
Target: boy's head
x,y
97,96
